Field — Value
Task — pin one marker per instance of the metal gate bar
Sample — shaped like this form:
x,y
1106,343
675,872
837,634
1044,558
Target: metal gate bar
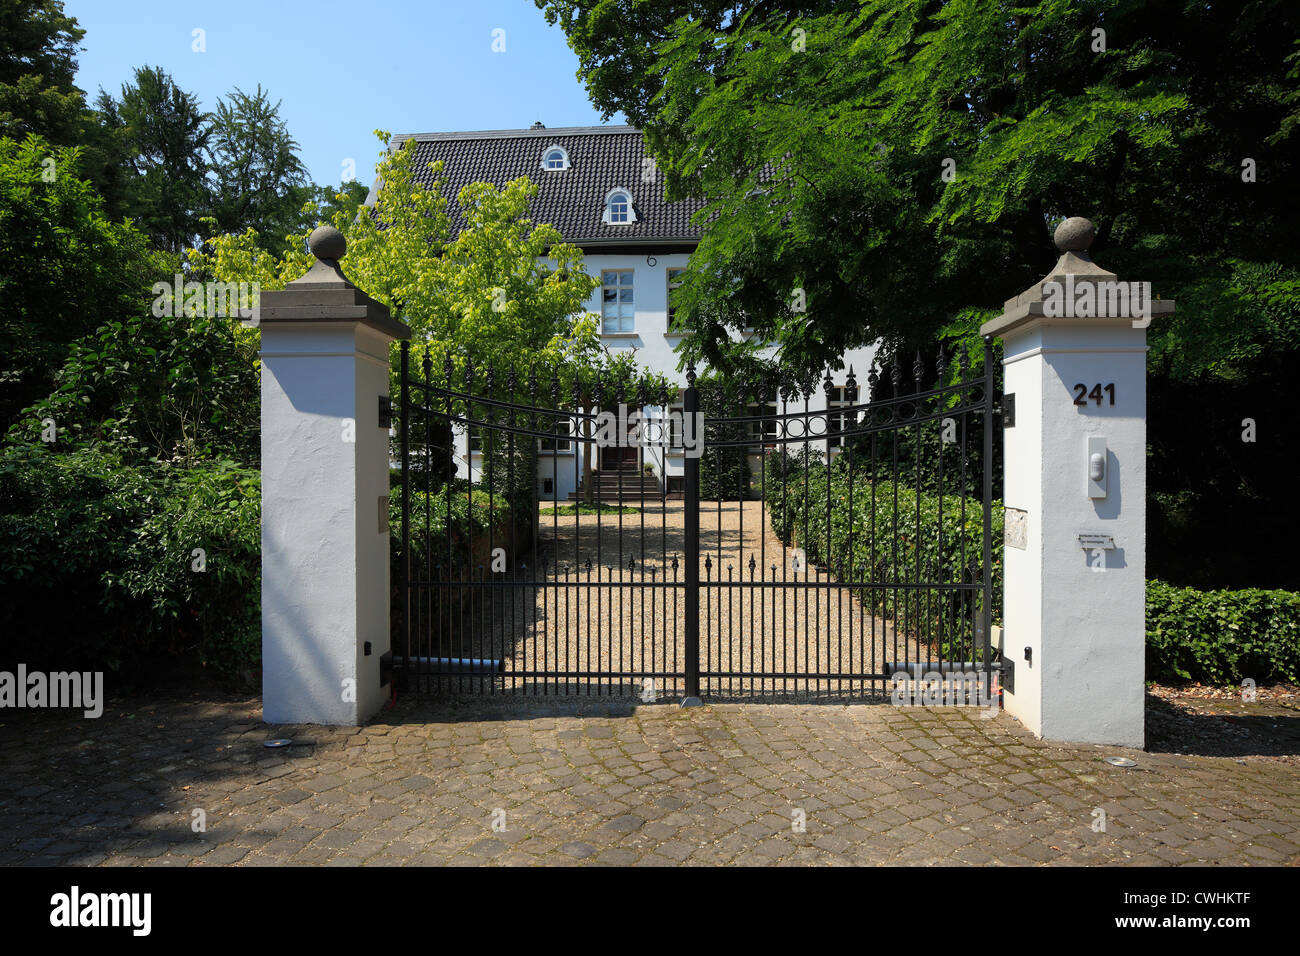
x,y
787,595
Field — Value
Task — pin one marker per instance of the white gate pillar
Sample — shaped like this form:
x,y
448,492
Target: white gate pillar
x,y
325,552
1075,493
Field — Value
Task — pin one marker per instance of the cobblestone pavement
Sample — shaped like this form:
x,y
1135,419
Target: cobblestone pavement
x,y
616,784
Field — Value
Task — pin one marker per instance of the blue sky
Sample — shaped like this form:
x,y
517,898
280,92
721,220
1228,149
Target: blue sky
x,y
345,69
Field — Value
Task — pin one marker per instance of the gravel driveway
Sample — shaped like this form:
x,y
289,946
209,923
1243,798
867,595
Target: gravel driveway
x,y
607,614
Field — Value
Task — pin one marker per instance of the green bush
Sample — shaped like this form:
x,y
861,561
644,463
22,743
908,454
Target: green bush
x,y
98,564
450,540
724,472
1222,637
1218,637
886,533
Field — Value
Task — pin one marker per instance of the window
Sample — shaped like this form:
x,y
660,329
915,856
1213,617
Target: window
x,y
836,422
617,310
676,415
618,208
548,486
764,432
475,439
674,281
555,158
557,445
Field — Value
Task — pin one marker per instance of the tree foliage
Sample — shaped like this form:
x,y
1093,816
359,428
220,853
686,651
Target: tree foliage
x,y
819,134
160,131
256,177
66,267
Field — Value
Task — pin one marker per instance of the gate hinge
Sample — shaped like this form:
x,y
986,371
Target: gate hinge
x,y
1008,671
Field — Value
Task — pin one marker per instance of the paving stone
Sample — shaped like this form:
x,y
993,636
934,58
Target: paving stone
x,y
587,782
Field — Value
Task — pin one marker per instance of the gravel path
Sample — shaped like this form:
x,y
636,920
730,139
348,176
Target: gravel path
x,y
607,614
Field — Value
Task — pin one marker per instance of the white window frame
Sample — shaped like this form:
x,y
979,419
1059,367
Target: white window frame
x,y
608,217
562,442
624,314
564,159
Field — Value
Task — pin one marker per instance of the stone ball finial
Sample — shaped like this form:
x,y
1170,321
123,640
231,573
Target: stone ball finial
x,y
326,242
1075,234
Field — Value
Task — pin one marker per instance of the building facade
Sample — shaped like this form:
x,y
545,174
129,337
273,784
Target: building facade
x,y
598,186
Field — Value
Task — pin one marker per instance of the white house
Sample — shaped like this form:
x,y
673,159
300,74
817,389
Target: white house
x,y
597,186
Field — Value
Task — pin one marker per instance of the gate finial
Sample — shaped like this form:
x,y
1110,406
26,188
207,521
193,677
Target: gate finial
x,y
327,243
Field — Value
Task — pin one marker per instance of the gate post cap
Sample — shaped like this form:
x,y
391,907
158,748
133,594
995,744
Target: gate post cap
x,y
1075,234
327,243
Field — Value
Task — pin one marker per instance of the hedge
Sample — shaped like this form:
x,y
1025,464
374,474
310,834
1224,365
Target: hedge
x,y
798,508
1219,637
1222,637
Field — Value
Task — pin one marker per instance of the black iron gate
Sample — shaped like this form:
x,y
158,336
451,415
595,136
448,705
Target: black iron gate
x,y
619,540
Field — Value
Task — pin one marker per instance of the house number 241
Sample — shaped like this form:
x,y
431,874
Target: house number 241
x,y
1081,393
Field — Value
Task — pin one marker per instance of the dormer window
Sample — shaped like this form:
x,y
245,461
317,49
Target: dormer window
x,y
555,158
618,208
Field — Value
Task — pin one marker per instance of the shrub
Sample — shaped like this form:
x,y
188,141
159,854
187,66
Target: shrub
x,y
452,534
1222,636
887,533
724,472
97,562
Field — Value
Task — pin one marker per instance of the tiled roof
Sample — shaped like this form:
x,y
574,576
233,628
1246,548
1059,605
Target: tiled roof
x,y
573,200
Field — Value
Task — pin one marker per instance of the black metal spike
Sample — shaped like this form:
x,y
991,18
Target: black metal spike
x,y
917,369
941,364
965,361
690,374
829,383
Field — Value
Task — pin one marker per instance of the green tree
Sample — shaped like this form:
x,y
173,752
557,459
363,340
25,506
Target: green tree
x,y
161,133
901,161
326,203
66,268
257,180
38,63
504,290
